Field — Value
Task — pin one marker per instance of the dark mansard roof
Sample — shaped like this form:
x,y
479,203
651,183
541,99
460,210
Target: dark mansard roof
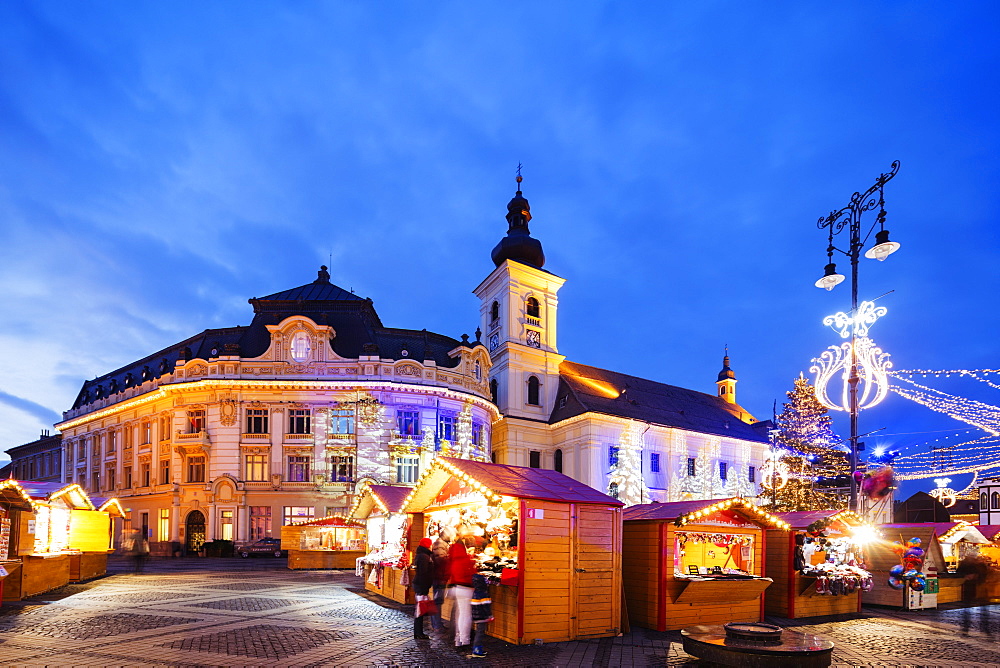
x,y
359,331
584,389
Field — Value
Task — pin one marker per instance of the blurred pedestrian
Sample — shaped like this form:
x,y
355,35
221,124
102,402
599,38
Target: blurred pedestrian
x,y
422,580
138,550
439,551
975,569
462,570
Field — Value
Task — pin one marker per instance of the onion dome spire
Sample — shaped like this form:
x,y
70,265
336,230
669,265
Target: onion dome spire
x,y
519,245
726,373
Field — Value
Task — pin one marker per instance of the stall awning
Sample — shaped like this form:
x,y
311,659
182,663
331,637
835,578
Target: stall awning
x,y
111,506
332,521
504,480
47,492
990,531
12,494
802,519
387,498
683,512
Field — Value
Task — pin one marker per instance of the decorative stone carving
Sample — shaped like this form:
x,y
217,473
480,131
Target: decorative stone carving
x,y
408,370
228,411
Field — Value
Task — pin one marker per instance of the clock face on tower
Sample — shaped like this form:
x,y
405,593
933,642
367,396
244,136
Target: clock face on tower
x,y
534,338
494,341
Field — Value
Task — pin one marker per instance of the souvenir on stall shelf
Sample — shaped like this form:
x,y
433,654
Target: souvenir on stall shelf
x,y
818,563
384,565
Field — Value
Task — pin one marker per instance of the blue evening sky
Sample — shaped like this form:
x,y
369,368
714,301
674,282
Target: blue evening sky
x,y
163,162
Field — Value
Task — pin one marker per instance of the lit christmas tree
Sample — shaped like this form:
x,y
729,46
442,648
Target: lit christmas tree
x,y
625,481
806,449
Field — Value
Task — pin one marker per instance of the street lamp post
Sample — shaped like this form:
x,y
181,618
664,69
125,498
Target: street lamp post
x,y
850,217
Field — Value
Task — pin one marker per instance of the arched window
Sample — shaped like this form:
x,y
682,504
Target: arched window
x,y
495,312
995,500
557,460
531,308
613,489
495,391
983,501
533,391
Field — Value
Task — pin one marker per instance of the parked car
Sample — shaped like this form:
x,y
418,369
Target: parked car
x,y
268,546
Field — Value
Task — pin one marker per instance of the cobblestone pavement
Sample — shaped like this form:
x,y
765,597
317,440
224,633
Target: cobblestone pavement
x,y
232,612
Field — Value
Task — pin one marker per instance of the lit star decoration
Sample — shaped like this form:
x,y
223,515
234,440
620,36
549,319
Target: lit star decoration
x,y
872,364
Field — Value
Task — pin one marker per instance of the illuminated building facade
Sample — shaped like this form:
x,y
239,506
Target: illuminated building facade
x,y
40,460
585,421
234,432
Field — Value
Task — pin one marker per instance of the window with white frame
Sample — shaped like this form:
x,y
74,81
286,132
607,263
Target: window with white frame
x,y
654,462
196,421
256,467
342,421
342,468
299,421
295,514
447,427
258,421
260,522
407,469
408,422
298,468
195,468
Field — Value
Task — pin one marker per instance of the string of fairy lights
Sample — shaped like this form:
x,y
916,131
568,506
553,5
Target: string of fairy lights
x,y
955,453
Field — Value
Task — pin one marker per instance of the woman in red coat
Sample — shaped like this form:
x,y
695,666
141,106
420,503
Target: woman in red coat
x,y
462,570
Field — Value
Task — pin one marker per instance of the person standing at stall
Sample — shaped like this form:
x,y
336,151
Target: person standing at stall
x,y
482,613
462,570
422,580
442,572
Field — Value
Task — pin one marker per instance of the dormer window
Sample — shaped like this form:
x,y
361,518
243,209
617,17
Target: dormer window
x,y
531,308
301,347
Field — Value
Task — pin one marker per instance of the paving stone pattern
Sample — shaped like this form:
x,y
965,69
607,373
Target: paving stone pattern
x,y
238,612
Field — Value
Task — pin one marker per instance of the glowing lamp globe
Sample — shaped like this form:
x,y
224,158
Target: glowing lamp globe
x,y
831,278
883,248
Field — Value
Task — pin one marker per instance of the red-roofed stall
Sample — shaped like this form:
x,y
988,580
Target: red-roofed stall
x,y
695,562
388,529
550,544
817,564
329,542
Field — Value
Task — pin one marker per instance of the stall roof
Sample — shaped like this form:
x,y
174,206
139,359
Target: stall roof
x,y
14,495
389,498
801,519
332,521
50,491
950,532
111,505
990,531
502,479
682,512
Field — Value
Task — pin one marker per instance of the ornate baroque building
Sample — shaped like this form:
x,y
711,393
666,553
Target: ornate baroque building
x,y
638,439
234,432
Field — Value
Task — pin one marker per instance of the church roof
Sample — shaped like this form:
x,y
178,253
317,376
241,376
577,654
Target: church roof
x,y
359,331
587,389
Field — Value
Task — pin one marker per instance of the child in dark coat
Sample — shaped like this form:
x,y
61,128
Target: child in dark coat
x,y
422,581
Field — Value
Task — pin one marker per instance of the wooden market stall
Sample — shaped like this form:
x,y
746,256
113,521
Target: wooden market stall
x,y
92,537
380,507
817,564
329,542
550,545
881,559
45,538
959,540
15,506
695,562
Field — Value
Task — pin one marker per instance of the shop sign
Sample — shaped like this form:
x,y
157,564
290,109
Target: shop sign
x,y
727,518
31,526
456,492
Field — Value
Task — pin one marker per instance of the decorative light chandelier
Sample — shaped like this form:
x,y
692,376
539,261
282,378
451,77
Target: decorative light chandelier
x,y
860,353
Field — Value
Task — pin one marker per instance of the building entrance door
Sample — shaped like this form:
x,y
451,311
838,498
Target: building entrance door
x,y
195,531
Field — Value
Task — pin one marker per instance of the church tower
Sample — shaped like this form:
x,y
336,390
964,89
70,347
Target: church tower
x,y
518,306
727,382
